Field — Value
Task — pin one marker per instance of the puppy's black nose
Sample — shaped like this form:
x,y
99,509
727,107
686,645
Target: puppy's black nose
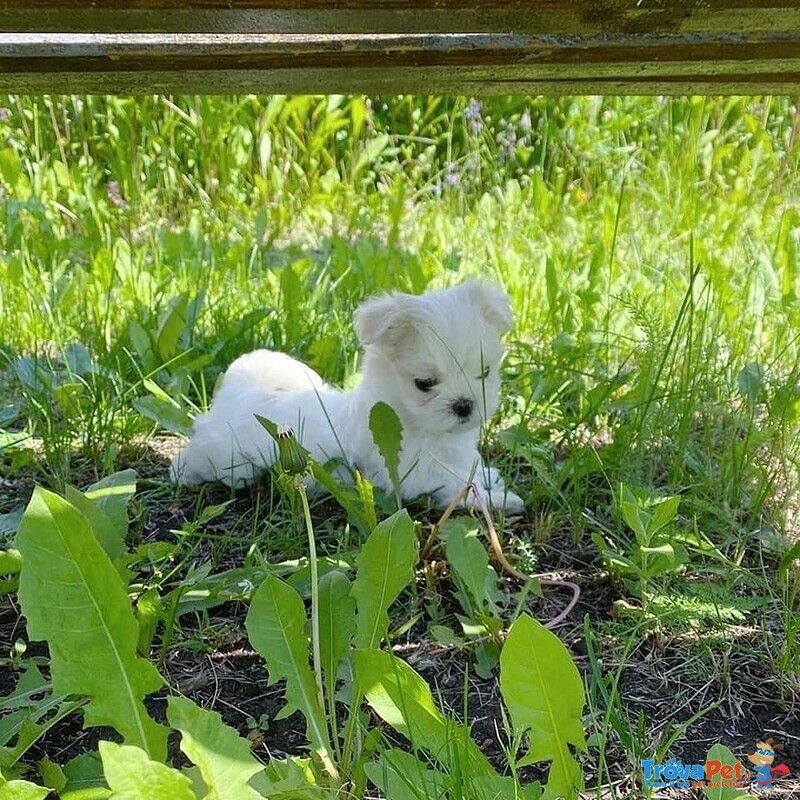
x,y
462,407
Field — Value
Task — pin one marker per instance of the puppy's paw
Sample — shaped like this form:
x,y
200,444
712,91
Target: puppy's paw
x,y
497,497
507,500
501,498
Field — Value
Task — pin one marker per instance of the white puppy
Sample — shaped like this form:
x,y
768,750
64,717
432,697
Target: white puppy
x,y
434,358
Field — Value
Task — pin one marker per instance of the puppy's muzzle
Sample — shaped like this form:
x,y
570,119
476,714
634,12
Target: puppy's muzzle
x,y
462,408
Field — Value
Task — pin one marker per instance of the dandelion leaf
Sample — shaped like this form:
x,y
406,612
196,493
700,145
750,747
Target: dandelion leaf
x,y
543,692
73,598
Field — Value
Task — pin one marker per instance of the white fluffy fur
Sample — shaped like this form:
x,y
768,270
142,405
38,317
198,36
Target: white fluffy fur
x,y
450,336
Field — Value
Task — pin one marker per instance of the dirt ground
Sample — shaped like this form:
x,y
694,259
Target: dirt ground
x,y
664,682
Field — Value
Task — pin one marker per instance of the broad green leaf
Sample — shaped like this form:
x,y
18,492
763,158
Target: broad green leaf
x,y
14,440
336,624
198,784
722,754
171,326
80,362
291,779
28,730
85,779
154,389
387,433
324,350
637,518
112,494
543,691
663,513
469,561
210,513
445,636
655,560
9,585
10,562
34,373
750,381
143,344
402,776
615,561
104,530
402,698
91,630
121,258
19,705
52,775
9,414
69,396
133,776
276,626
385,567
222,756
487,655
21,790
169,416
29,711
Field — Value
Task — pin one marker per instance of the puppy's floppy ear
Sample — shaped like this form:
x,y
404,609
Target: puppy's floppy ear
x,y
372,318
389,318
494,303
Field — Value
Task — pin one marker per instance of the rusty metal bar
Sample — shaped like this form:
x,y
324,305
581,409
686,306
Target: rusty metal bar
x,y
438,46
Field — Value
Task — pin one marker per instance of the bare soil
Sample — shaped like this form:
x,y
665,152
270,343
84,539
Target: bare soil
x,y
671,685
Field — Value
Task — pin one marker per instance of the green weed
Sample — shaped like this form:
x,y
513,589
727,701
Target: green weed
x,y
651,249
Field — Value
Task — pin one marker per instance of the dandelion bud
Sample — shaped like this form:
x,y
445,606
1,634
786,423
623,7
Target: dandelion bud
x,y
292,456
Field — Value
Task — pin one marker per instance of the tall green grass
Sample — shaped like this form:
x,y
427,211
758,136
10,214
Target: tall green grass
x,y
650,246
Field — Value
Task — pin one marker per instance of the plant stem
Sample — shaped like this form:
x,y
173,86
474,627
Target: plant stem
x,y
312,560
351,747
328,762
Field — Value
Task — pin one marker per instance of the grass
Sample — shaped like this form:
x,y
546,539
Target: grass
x,y
650,247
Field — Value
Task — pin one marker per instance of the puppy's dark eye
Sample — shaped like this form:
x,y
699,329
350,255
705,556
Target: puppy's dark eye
x,y
484,375
425,384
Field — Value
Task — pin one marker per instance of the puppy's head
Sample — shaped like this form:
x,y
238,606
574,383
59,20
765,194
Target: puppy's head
x,y
436,357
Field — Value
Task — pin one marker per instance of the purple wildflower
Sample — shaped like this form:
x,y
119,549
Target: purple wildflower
x,y
112,188
451,177
473,117
507,139
5,114
511,139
